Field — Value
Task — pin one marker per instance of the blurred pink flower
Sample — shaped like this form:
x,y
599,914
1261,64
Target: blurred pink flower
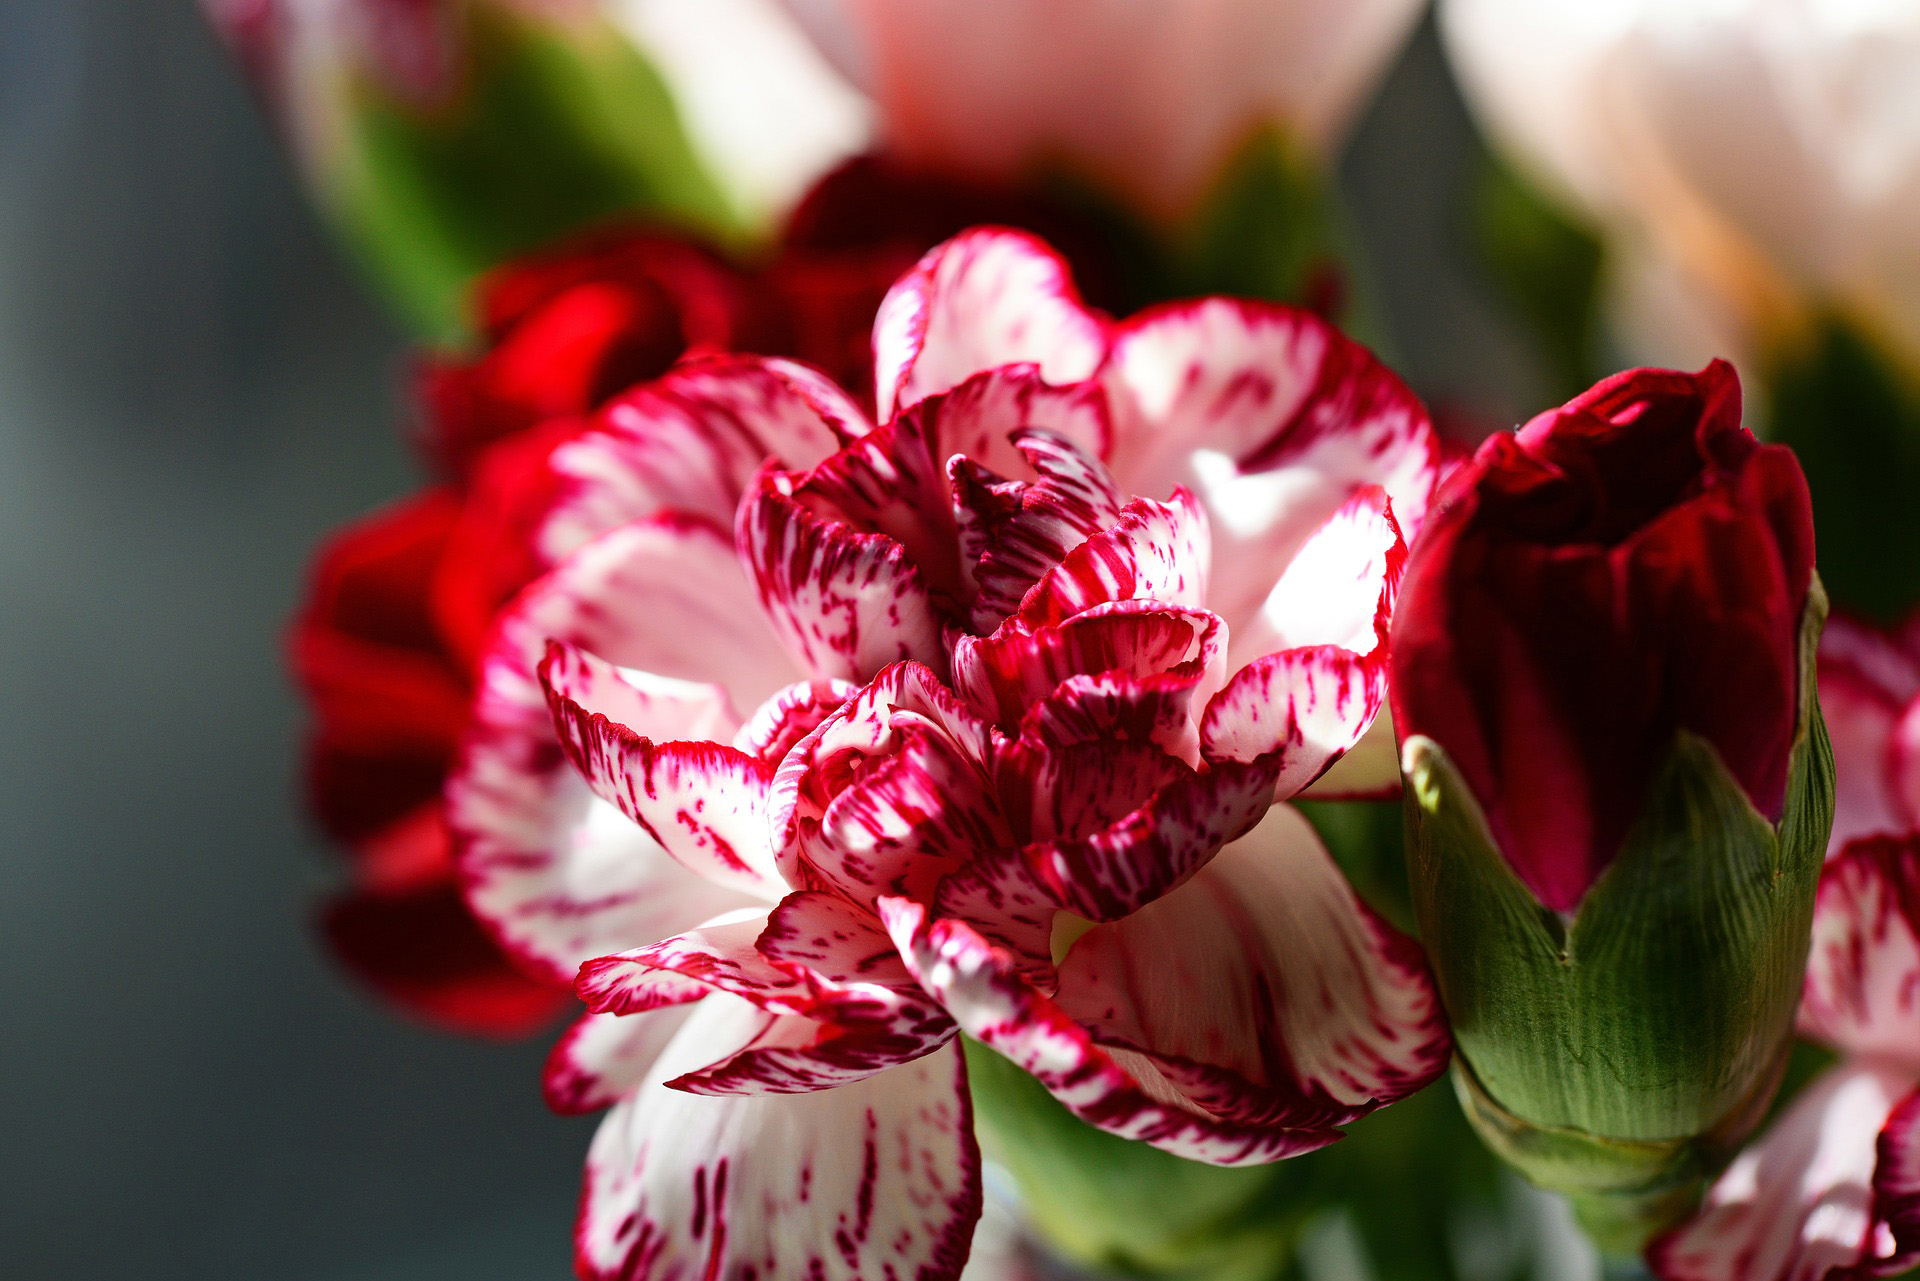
x,y
1150,100
1748,159
1870,694
974,721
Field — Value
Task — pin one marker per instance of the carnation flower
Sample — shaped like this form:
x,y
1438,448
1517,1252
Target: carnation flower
x,y
399,604
974,721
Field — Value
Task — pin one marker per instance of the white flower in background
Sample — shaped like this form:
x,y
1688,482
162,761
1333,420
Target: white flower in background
x,y
1756,158
762,106
1148,99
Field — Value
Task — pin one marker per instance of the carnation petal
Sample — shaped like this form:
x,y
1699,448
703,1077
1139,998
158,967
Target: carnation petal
x,y
604,1057
692,441
559,876
1798,1204
1265,988
1863,975
1157,551
704,803
1273,420
874,1178
981,986
846,602
1136,859
986,298
1305,706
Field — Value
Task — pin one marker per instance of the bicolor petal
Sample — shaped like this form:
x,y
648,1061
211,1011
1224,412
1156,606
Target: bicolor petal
x,y
1264,988
876,1178
986,298
702,802
1273,420
1862,994
981,986
1799,1204
559,877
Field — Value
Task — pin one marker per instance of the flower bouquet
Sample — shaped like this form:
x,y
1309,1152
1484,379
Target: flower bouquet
x,y
996,736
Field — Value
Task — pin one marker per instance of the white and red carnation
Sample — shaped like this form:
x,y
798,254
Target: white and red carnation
x,y
973,721
1832,1188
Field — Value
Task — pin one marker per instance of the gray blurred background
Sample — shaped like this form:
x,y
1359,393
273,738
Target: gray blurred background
x,y
193,390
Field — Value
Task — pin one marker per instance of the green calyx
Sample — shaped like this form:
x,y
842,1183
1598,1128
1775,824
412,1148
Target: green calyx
x,y
1618,1055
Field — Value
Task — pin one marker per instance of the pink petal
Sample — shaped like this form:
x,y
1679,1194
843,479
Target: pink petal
x,y
1367,771
1896,1188
1864,693
843,956
557,881
692,441
704,803
604,1057
1305,706
1863,974
719,955
1051,792
789,716
1798,1205
1338,589
1138,858
984,416
999,895
890,794
795,1055
875,1015
1273,420
1013,531
986,298
630,697
1145,102
1264,987
981,986
1004,675
1158,551
846,603
873,1179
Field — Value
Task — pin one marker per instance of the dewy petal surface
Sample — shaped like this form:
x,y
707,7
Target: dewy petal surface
x,y
1798,1205
873,1179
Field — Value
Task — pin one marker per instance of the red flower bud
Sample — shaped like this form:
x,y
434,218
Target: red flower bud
x,y
1621,569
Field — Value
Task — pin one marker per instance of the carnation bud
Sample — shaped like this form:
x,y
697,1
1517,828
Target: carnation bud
x,y
1619,784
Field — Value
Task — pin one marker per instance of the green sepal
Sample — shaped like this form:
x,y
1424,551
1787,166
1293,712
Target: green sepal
x,y
1620,1052
556,125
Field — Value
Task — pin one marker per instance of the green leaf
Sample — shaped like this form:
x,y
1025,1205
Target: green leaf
x,y
557,126
1856,428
